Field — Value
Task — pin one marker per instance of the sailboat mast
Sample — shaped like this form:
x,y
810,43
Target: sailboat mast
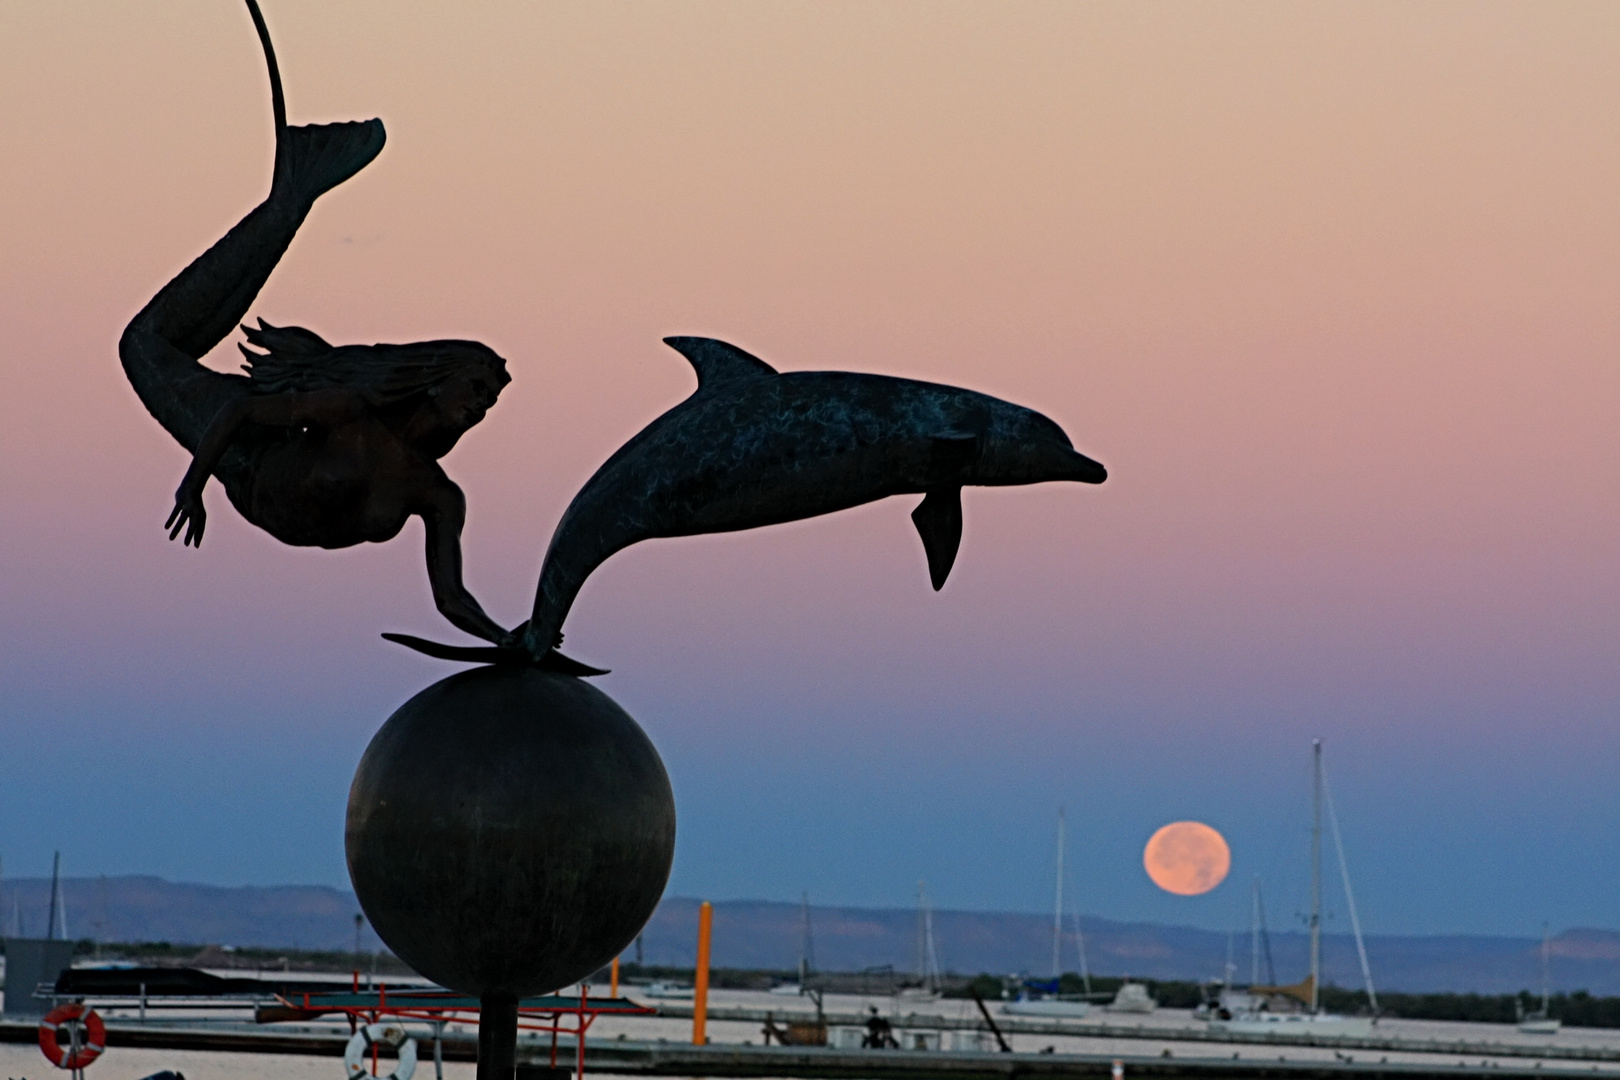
x,y
1316,873
922,934
56,887
1057,906
1349,895
804,940
1080,949
1254,934
1265,935
1546,978
931,978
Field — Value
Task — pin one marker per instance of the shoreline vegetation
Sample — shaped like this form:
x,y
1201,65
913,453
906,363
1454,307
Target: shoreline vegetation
x,y
1577,1009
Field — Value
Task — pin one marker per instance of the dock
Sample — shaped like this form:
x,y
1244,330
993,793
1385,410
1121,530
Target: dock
x,y
667,1058
1093,1029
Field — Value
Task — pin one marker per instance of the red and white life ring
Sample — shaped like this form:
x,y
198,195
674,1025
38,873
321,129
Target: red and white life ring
x,y
86,1036
369,1035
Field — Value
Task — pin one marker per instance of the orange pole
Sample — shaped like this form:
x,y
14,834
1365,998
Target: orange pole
x,y
613,979
700,991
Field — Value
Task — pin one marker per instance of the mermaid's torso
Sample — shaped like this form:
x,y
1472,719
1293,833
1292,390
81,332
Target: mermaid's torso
x,y
329,487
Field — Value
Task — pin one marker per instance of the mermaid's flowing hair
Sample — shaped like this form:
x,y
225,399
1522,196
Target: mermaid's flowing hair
x,y
299,359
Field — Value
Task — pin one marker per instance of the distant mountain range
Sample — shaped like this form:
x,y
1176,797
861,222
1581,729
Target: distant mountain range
x,y
760,934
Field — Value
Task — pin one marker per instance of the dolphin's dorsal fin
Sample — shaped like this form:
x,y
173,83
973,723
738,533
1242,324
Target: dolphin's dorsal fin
x,y
717,362
939,522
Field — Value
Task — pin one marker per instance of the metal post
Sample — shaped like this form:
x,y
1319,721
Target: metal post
x,y
613,979
990,1021
579,1066
700,989
497,1037
438,1050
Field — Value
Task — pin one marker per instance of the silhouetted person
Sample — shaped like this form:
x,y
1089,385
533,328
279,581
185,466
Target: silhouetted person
x,y
879,1032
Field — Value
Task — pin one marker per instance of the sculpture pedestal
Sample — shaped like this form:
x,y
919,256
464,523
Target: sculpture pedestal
x,y
497,1037
509,832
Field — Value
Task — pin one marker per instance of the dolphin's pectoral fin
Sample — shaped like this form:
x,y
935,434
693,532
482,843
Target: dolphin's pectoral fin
x,y
551,660
939,522
717,362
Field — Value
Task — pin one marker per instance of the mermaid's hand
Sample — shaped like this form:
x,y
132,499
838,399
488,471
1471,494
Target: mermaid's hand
x,y
189,514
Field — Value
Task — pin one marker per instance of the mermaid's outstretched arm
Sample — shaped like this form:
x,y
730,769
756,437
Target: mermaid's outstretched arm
x,y
444,512
315,408
193,313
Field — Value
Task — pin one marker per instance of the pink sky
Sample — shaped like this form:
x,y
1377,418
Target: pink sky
x,y
1331,289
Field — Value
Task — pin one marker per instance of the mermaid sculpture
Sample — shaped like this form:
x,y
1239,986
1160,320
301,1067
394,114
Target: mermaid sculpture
x,y
318,445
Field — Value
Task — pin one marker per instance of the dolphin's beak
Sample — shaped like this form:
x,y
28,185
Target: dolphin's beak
x,y
1083,469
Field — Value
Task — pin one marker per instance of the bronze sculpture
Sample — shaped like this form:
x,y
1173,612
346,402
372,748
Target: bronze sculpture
x,y
510,828
320,446
334,446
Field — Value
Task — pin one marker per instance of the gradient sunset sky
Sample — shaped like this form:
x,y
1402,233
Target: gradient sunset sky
x,y
1332,289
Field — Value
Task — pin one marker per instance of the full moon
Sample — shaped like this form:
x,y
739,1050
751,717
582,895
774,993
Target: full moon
x,y
1187,858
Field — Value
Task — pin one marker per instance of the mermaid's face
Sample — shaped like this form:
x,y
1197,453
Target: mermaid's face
x,y
463,399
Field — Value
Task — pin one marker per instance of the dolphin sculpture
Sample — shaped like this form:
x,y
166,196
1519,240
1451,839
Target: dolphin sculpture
x,y
752,447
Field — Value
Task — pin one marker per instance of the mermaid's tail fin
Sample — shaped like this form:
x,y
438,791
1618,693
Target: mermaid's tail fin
x,y
312,159
205,301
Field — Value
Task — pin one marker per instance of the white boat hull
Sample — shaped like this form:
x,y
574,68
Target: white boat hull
x,y
668,992
1287,1024
1072,1010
